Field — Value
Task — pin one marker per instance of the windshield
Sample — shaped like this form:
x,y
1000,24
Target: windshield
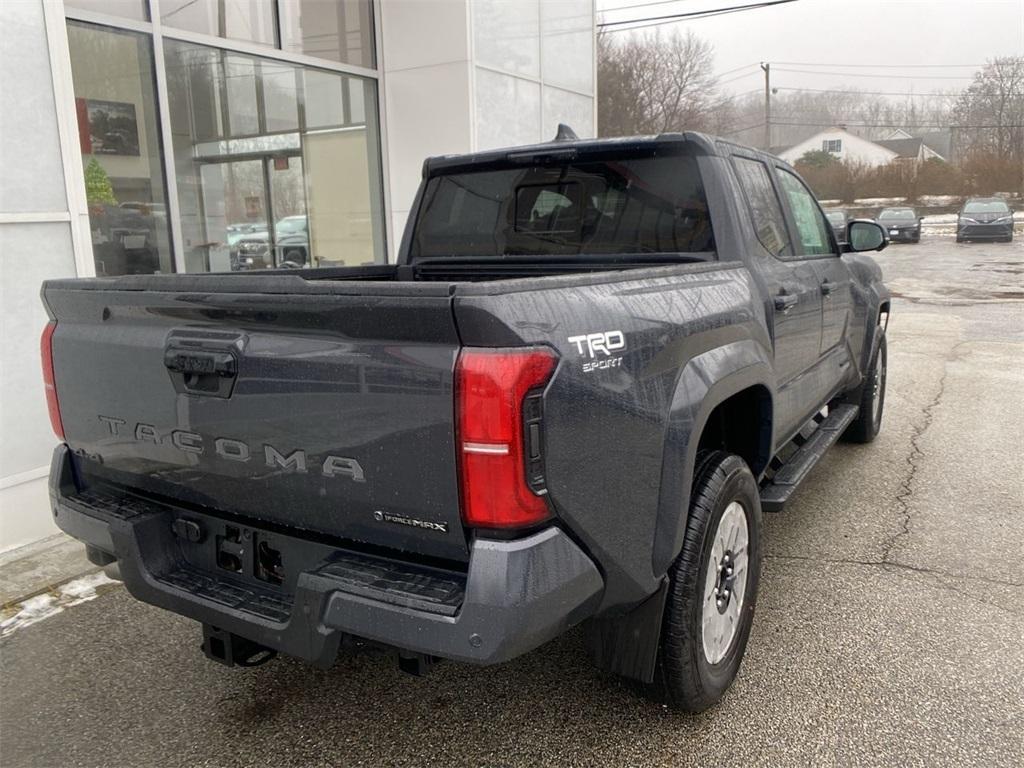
x,y
987,206
629,206
290,226
835,217
898,214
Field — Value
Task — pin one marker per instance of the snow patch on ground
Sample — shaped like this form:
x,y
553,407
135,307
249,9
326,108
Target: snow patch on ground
x,y
879,201
40,607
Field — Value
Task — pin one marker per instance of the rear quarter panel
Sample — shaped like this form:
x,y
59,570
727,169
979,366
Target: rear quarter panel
x,y
606,429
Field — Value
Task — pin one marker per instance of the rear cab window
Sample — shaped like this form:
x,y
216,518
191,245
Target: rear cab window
x,y
622,205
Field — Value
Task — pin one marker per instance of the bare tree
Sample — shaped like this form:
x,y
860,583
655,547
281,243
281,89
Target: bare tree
x,y
990,112
652,84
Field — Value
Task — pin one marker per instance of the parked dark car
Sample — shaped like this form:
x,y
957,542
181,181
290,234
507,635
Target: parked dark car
x,y
291,236
902,224
290,249
592,367
838,218
124,239
985,218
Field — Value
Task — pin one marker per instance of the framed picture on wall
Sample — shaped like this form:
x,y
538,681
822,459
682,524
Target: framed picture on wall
x,y
113,128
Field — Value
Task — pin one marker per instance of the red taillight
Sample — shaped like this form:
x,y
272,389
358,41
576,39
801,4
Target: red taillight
x,y
46,352
491,385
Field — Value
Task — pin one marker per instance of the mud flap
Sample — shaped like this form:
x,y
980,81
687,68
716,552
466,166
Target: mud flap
x,y
627,644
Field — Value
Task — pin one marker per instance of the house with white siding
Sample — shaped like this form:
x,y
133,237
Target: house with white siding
x,y
899,147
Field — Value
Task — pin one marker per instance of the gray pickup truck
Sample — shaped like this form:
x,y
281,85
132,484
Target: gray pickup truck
x,y
593,366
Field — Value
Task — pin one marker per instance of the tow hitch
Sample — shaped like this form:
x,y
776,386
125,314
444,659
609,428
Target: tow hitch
x,y
231,650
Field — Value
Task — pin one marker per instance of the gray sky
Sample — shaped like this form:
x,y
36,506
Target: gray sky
x,y
816,32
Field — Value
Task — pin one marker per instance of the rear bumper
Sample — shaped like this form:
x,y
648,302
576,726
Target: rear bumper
x,y
516,594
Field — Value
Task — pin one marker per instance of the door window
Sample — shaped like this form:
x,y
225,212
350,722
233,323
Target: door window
x,y
765,209
810,223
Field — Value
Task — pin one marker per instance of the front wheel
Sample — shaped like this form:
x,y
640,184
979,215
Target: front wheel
x,y
871,401
712,587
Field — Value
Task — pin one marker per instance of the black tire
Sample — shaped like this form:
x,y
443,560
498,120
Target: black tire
x,y
685,679
959,239
870,397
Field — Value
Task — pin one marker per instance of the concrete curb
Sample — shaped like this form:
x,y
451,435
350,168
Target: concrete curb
x,y
38,567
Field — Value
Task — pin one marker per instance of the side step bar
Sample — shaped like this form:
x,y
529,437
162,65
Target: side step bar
x,y
787,479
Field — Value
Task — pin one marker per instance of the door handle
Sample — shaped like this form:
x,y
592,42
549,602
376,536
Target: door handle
x,y
199,363
785,302
827,287
203,363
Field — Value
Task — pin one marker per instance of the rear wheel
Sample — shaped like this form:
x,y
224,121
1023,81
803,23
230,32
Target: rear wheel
x,y
712,587
870,398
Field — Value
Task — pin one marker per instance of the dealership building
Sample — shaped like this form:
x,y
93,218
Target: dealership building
x,y
146,136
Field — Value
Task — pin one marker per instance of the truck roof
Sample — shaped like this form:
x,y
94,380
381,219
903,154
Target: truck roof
x,y
698,143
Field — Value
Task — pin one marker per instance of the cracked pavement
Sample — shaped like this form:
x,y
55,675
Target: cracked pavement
x,y
889,630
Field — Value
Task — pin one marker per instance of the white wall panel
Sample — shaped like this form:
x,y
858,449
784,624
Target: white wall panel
x,y
506,35
567,43
29,254
507,110
419,33
428,114
570,108
33,176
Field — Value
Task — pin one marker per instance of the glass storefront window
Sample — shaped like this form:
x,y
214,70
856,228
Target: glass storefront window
x,y
251,20
276,164
117,127
340,30
137,10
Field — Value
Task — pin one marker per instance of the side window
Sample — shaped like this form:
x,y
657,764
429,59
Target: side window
x,y
810,223
765,209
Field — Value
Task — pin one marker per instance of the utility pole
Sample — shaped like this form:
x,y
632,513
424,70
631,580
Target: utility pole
x,y
767,105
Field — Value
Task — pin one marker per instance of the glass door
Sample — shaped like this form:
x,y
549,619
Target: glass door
x,y
288,206
234,196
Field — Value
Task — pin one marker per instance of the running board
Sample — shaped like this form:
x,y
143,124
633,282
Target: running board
x,y
787,479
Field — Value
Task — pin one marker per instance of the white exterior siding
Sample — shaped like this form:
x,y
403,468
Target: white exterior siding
x,y
854,149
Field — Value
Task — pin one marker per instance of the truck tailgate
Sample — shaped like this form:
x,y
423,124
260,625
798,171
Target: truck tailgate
x,y
329,412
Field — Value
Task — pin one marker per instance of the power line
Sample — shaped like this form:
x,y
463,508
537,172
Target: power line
x,y
744,128
856,92
873,66
737,69
691,14
874,74
707,15
639,5
740,77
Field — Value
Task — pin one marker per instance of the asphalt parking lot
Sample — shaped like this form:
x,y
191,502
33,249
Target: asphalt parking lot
x,y
890,626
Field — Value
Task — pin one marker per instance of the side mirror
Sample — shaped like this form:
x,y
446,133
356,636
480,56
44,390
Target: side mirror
x,y
865,235
920,218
